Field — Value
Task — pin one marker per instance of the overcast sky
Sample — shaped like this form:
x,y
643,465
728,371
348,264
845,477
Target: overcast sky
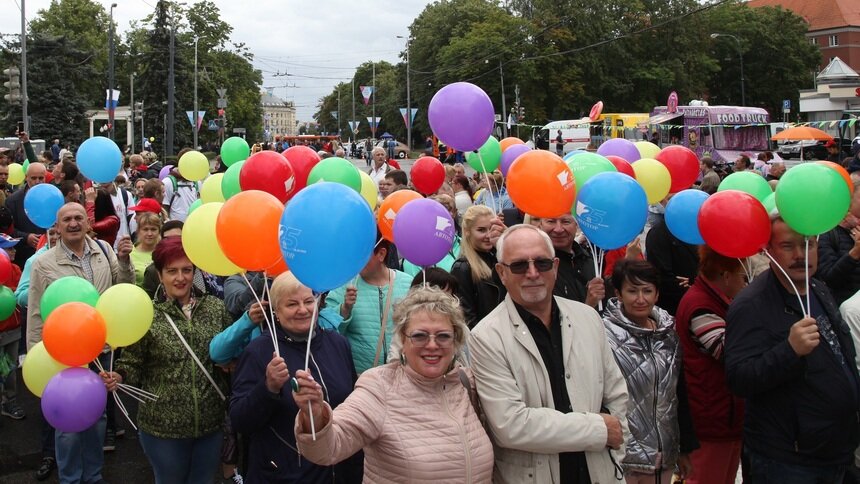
x,y
318,43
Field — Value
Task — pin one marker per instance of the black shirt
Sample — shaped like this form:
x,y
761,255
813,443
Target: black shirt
x,y
572,465
574,271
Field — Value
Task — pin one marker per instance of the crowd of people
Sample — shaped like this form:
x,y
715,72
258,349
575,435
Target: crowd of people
x,y
515,359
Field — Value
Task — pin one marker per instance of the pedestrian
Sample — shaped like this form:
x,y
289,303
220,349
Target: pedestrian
x,y
25,229
576,274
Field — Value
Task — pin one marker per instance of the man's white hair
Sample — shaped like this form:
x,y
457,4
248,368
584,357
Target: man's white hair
x,y
500,244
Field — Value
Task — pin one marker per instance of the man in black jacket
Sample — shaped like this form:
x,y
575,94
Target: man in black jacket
x,y
795,367
576,276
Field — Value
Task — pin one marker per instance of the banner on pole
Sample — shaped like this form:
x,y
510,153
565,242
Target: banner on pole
x,y
190,115
333,114
409,122
353,125
366,92
374,123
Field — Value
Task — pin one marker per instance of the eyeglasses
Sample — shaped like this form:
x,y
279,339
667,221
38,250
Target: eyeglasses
x,y
420,338
522,266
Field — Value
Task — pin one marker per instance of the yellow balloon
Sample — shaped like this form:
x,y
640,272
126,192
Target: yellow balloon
x,y
16,174
654,178
127,311
201,243
211,189
39,368
647,149
194,166
369,189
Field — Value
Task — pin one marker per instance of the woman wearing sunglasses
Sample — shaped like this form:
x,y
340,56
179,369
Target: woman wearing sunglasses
x,y
643,339
414,417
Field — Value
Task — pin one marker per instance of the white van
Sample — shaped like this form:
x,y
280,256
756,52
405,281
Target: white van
x,y
574,132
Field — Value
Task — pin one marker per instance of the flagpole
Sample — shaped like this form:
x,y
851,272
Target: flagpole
x,y
352,135
373,125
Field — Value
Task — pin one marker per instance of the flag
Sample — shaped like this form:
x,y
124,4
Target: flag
x,y
333,114
353,125
190,115
366,92
111,104
412,117
374,123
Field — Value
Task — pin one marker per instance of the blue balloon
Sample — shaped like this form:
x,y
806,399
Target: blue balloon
x,y
611,209
41,204
99,159
571,154
327,235
682,215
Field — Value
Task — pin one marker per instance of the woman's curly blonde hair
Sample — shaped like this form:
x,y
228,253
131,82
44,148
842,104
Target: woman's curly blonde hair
x,y
431,300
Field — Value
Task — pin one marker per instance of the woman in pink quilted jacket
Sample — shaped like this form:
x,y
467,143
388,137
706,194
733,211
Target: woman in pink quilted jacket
x,y
414,417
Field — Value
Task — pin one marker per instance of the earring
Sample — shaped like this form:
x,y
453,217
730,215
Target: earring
x,y
402,359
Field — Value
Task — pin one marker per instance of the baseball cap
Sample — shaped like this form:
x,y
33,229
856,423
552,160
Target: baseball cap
x,y
7,241
146,205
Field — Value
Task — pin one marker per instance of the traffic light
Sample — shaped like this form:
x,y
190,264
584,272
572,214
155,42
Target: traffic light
x,y
522,113
13,84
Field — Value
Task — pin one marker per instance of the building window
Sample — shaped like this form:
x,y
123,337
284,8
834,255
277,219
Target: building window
x,y
813,41
833,40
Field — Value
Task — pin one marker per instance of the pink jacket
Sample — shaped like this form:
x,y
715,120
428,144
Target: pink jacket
x,y
412,430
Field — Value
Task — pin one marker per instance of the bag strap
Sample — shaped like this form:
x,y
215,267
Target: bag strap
x,y
473,396
383,322
191,352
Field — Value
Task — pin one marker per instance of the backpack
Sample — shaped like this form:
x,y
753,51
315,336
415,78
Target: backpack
x,y
176,188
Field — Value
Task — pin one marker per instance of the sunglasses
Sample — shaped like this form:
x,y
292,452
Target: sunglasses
x,y
522,266
420,338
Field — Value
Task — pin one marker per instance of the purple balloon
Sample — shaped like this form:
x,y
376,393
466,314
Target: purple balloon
x,y
423,232
511,154
620,147
462,116
164,172
74,400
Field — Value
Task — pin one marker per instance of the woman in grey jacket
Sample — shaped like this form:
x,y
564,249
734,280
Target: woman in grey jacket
x,y
646,347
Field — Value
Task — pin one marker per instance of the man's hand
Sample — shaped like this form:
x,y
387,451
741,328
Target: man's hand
x,y
683,282
614,435
23,136
854,253
277,374
596,292
257,313
634,250
124,247
349,299
804,336
32,240
497,226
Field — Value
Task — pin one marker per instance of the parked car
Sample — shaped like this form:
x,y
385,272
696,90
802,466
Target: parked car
x,y
813,150
400,150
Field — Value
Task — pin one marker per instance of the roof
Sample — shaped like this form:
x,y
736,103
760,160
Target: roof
x,y
267,99
820,14
837,71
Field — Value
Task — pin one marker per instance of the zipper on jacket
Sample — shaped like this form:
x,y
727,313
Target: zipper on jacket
x,y
659,457
467,448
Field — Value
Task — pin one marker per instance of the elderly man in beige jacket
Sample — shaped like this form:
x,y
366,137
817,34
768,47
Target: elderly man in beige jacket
x,y
554,398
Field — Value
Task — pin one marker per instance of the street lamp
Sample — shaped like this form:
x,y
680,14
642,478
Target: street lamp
x,y
408,99
741,57
110,74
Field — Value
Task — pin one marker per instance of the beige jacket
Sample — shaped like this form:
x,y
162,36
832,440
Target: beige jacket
x,y
54,264
412,430
527,431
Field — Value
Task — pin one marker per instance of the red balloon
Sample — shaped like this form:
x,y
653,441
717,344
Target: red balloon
x,y
270,172
622,165
303,160
428,174
683,166
734,223
5,267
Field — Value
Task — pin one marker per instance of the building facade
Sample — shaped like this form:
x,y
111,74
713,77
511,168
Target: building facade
x,y
279,117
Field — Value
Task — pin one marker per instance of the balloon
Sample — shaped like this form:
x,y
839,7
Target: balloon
x,y
247,229
211,189
611,209
683,166
234,149
427,175
39,367
509,142
5,268
647,149
165,172
277,269
747,182
25,166
99,159
313,235
842,172
511,154
194,166
734,224
812,198
41,204
230,182
68,289
201,244
387,213
570,154
336,170
424,232
152,138
302,159
194,205
622,165
682,215
540,184
270,172
770,203
586,165
74,400
7,302
654,178
369,190
488,157
462,116
16,174
620,147
127,311
74,333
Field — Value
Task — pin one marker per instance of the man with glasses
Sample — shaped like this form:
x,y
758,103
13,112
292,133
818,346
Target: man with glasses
x,y
554,398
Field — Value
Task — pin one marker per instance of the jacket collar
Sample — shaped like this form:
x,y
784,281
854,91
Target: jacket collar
x,y
713,291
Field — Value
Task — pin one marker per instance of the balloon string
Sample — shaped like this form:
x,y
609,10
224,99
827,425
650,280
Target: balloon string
x,y
796,292
596,254
269,324
489,187
307,359
424,276
267,294
747,271
806,276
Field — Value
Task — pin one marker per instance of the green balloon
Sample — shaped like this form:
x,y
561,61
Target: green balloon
x,y
194,205
68,289
230,181
25,165
336,170
812,198
234,149
586,165
770,203
747,182
489,159
7,302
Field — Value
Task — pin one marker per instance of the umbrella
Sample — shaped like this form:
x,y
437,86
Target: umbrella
x,y
801,133
386,135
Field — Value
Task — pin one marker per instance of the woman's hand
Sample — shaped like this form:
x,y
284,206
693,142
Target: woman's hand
x,y
685,466
349,299
90,194
309,393
111,380
277,374
257,313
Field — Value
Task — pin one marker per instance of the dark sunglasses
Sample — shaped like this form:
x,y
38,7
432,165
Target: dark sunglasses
x,y
522,266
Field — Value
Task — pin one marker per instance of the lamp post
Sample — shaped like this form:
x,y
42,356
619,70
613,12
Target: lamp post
x,y
408,99
110,74
741,58
196,113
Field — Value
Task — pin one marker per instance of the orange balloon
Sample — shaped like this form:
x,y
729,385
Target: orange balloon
x,y
510,141
842,172
74,333
247,229
389,208
540,184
